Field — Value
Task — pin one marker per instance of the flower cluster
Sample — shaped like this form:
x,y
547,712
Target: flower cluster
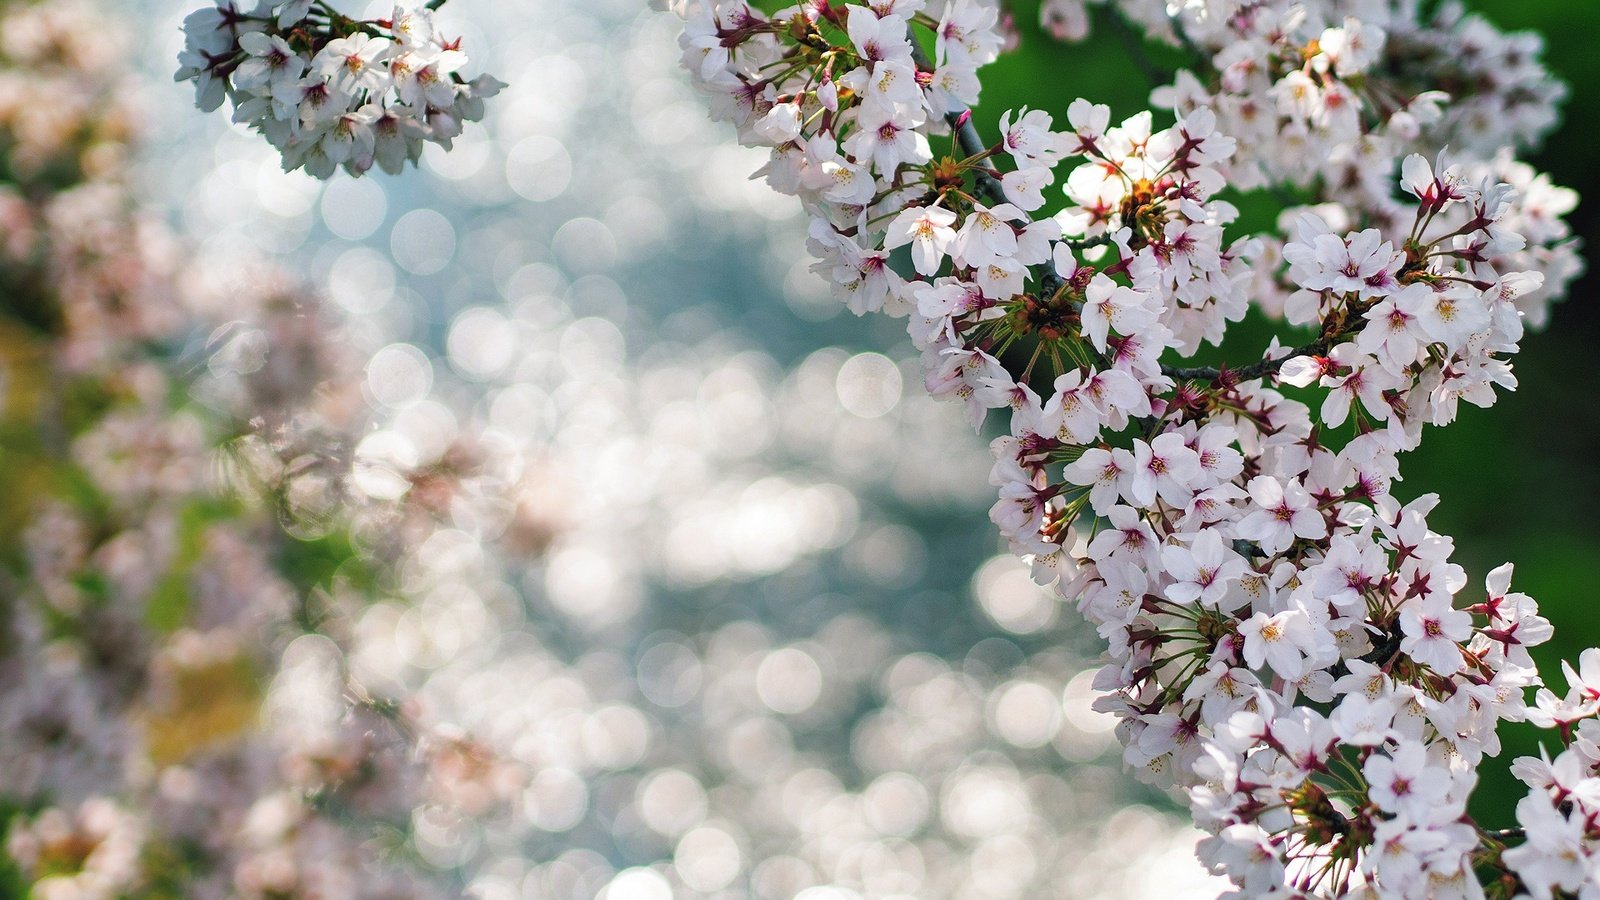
x,y
1563,802
1287,642
329,91
156,478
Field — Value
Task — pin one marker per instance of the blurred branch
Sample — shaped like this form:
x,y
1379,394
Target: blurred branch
x,y
1134,43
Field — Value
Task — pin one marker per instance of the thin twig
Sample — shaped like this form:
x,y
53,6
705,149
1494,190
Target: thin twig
x,y
1101,240
1319,347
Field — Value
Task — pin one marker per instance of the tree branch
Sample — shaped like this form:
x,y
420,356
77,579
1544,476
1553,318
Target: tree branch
x,y
959,118
1249,373
1134,43
1322,346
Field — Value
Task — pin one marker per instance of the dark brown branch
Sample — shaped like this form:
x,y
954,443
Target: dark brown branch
x,y
959,119
1249,373
1322,346
970,143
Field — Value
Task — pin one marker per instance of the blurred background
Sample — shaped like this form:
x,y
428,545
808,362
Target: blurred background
x,y
744,546
663,573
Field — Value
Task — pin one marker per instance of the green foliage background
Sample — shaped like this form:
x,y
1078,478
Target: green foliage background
x,y
1519,482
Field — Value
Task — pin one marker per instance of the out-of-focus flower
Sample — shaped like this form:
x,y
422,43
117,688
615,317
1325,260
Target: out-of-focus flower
x,y
329,91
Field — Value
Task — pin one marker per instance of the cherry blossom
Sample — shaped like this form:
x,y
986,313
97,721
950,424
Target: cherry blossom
x,y
329,91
